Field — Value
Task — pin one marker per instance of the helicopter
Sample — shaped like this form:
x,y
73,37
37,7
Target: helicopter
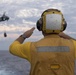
x,y
4,18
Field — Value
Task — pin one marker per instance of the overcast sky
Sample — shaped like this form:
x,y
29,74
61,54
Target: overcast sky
x,y
24,14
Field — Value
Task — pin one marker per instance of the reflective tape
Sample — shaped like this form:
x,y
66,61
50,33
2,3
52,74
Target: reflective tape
x,y
53,49
55,66
53,21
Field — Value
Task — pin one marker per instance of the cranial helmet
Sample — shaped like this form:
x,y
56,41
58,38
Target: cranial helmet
x,y
51,21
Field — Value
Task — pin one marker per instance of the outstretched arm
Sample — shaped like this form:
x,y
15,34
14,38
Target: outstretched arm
x,y
63,35
19,49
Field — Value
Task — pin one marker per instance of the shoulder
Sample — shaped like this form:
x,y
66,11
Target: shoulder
x,y
74,41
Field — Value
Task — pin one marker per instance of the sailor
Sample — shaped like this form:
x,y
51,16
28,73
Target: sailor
x,y
52,55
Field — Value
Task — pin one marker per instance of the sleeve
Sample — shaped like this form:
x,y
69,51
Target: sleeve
x,y
75,47
21,50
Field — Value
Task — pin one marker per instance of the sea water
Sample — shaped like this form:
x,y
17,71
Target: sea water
x,y
13,65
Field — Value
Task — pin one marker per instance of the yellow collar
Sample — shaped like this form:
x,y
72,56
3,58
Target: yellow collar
x,y
52,36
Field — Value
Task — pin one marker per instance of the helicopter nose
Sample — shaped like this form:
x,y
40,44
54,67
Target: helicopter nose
x,y
7,18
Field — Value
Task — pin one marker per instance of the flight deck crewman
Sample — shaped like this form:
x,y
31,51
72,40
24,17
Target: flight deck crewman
x,y
52,55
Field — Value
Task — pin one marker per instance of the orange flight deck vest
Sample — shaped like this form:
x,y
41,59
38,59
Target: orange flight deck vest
x,y
52,55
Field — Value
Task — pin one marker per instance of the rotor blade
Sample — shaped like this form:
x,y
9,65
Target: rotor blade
x,y
4,13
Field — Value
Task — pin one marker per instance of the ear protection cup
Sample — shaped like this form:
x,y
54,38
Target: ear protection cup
x,y
39,24
64,25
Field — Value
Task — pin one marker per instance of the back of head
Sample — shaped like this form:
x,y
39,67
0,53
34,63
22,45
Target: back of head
x,y
51,21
